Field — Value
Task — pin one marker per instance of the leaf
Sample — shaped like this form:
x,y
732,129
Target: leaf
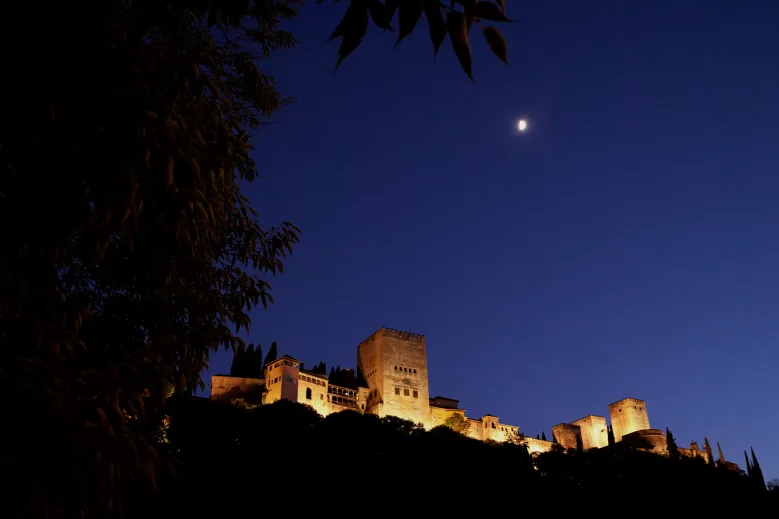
x,y
390,6
409,13
458,33
489,11
339,30
356,19
436,22
379,15
497,43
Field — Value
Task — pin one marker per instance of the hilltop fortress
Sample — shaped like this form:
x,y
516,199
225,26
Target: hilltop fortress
x,y
392,380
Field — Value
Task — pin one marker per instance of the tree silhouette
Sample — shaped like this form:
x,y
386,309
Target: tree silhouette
x,y
257,363
454,19
543,435
748,464
757,472
142,256
673,449
273,353
610,435
212,437
238,357
709,453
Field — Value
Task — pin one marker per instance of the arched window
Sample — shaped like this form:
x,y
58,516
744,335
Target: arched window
x,y
308,393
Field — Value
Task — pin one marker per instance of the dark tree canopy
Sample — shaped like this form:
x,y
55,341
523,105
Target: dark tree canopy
x,y
130,252
218,439
273,353
247,362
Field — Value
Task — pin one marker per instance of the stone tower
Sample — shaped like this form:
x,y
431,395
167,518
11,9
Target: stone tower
x,y
394,364
593,431
628,415
566,434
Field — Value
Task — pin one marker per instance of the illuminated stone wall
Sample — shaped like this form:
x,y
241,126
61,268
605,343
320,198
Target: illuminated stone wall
x,y
565,434
273,382
493,430
224,387
312,390
594,431
368,359
648,440
439,415
627,416
535,446
476,429
396,362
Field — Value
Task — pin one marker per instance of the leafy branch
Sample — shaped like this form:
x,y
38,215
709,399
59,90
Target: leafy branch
x,y
454,19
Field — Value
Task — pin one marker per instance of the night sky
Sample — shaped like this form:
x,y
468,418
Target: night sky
x,y
626,245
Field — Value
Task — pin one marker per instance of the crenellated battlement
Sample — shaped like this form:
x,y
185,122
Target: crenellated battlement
x,y
627,401
391,332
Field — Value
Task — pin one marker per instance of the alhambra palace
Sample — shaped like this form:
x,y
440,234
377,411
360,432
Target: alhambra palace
x,y
392,380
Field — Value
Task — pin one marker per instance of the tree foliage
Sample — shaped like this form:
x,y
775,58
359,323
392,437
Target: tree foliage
x,y
673,449
458,423
129,252
709,453
273,353
757,472
320,368
247,362
217,439
454,20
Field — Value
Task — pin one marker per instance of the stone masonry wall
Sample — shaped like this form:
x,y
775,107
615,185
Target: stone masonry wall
x,y
224,387
565,434
537,446
593,431
627,416
401,373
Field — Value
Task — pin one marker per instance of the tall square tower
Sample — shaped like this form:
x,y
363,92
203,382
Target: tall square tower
x,y
628,415
593,430
394,364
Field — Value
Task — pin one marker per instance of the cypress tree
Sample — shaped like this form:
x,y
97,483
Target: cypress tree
x,y
579,444
749,465
610,432
331,376
543,435
272,355
757,472
246,362
721,458
673,449
709,452
538,436
257,363
238,357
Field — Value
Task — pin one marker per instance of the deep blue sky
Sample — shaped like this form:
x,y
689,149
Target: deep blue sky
x,y
628,245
